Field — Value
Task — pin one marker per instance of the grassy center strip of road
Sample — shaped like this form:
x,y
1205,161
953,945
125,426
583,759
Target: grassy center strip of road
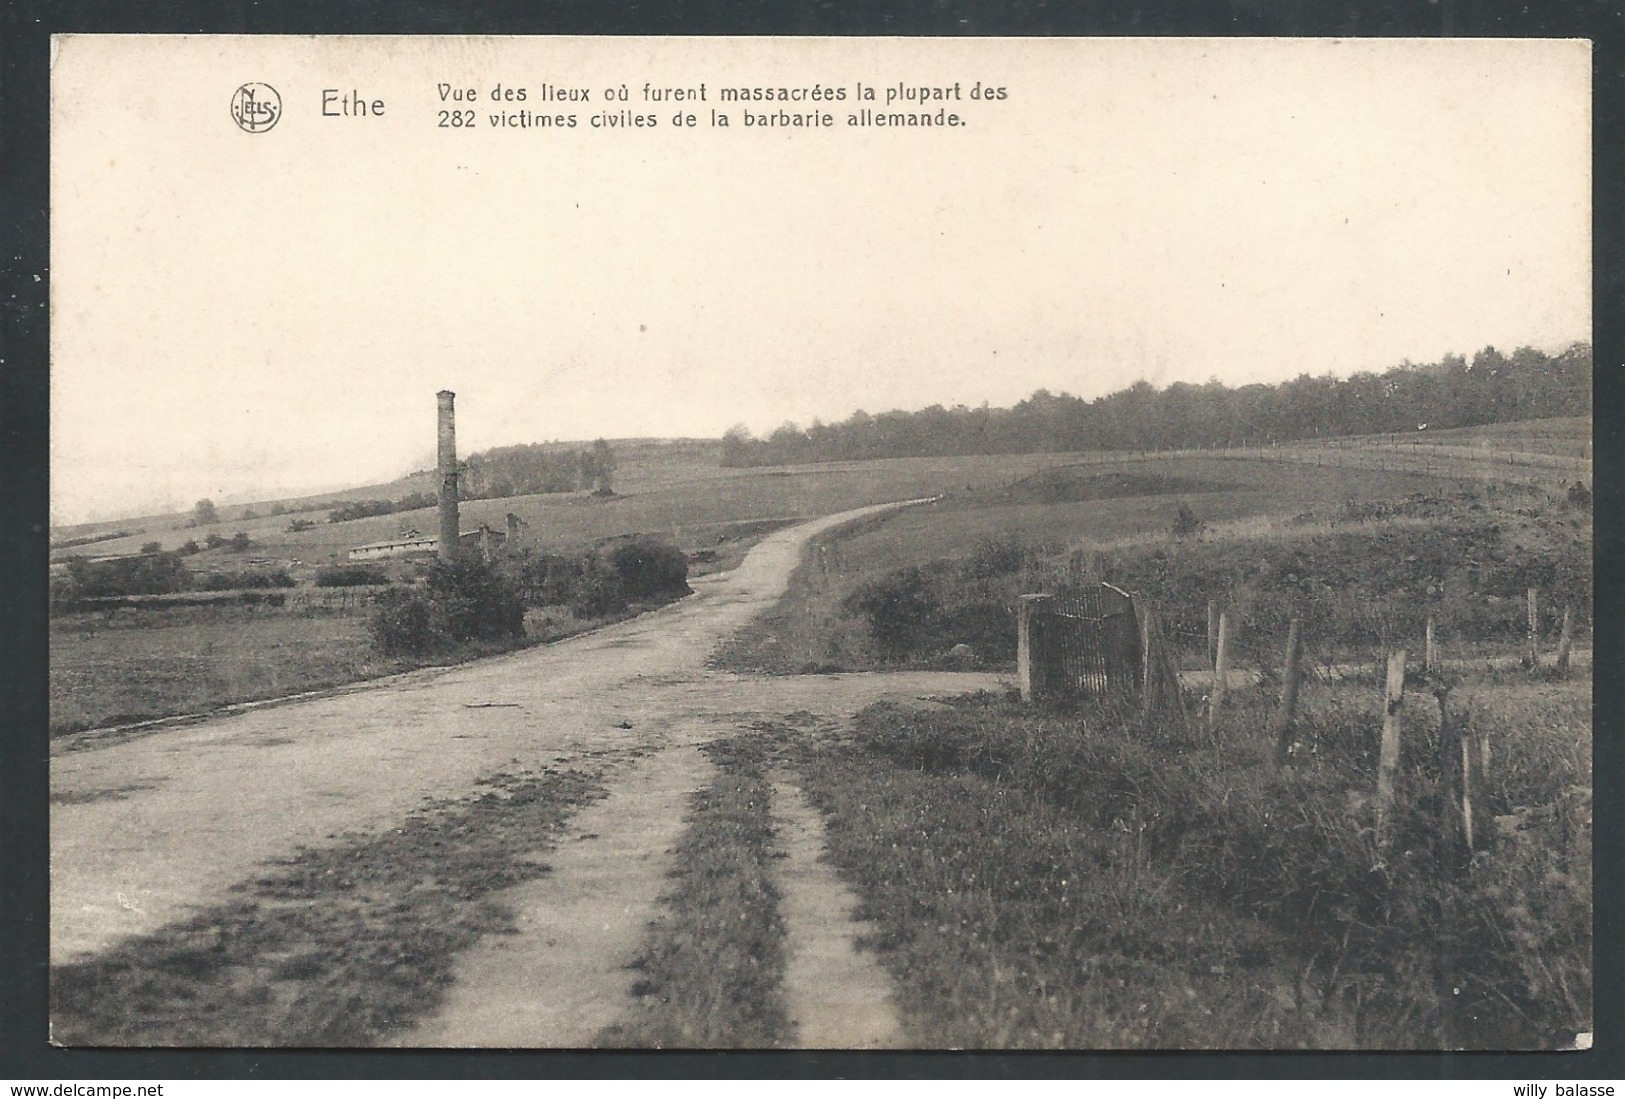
x,y
341,946
712,970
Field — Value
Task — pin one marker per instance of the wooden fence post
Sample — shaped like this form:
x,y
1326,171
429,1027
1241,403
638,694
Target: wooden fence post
x,y
1024,643
1431,663
1474,773
1287,714
1534,627
1453,803
1147,623
1565,641
1212,634
1221,672
1388,758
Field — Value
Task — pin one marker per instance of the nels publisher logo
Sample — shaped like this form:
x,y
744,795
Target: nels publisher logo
x,y
256,107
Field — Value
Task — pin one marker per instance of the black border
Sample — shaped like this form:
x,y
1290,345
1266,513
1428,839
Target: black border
x,y
25,29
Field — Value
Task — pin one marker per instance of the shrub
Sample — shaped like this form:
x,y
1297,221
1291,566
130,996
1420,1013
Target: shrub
x,y
902,608
248,578
650,569
350,576
549,579
188,547
240,541
404,625
297,525
994,557
214,541
150,574
472,600
601,583
1186,524
461,601
598,590
151,547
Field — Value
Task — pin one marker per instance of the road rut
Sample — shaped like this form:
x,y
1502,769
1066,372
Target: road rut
x,y
149,831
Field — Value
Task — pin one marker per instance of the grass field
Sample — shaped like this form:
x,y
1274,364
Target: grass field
x,y
689,501
1363,528
140,665
151,664
1037,877
1077,881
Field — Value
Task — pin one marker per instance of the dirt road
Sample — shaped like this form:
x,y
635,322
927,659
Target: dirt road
x,y
148,831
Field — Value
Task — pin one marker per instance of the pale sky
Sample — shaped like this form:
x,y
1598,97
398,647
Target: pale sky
x,y
245,315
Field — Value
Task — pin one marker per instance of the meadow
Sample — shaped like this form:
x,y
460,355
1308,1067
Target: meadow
x,y
1078,877
137,665
1076,880
1072,877
1362,554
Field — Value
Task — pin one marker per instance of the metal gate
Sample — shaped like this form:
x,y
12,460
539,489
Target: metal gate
x,y
1086,642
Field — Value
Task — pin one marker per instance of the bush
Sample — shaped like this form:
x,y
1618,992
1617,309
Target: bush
x,y
297,525
994,557
248,578
1186,524
461,601
598,590
151,547
150,574
214,541
902,608
404,625
350,576
650,569
472,600
549,579
240,541
596,584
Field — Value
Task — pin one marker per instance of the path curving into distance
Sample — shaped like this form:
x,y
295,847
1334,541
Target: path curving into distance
x,y
151,830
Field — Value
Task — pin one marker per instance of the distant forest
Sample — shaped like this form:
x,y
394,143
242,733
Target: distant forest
x,y
503,471
1492,388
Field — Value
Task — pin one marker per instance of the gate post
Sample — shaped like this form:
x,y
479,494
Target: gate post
x,y
1024,642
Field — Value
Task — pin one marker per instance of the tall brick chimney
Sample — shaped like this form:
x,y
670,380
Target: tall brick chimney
x,y
448,475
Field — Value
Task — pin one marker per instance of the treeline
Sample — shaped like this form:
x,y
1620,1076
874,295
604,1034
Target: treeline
x,y
525,470
537,468
1454,392
150,574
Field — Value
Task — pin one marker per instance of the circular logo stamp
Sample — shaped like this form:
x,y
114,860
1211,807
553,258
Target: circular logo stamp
x,y
256,107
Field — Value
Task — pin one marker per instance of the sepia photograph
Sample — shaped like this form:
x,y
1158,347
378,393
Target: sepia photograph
x,y
713,543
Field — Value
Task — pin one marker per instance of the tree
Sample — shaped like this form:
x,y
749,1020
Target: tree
x,y
602,468
204,513
736,444
1186,524
239,541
